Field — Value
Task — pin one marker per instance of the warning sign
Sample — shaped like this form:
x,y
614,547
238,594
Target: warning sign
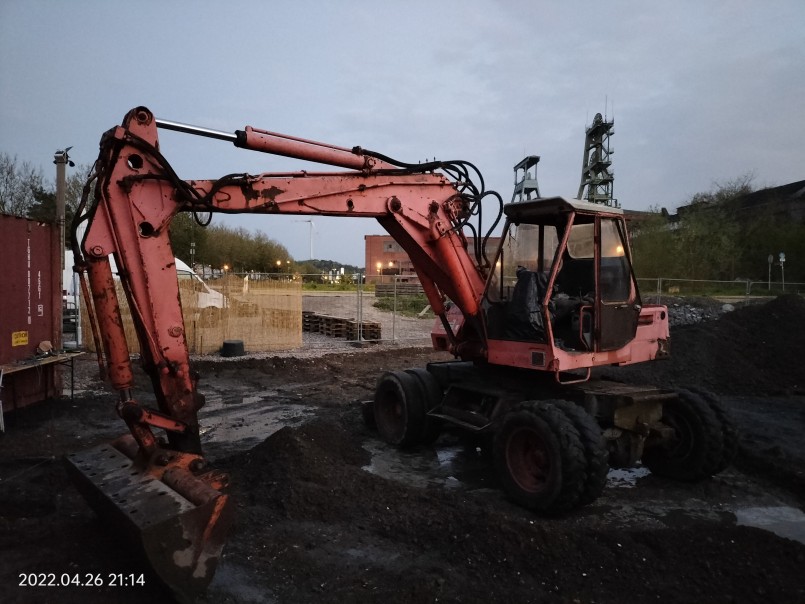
x,y
19,338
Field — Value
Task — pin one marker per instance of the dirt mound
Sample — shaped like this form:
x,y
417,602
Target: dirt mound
x,y
321,527
756,349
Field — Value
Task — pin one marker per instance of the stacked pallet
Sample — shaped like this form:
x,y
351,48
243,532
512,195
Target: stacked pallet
x,y
310,321
368,330
340,327
335,327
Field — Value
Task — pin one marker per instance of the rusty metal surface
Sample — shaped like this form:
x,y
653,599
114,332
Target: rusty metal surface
x,y
27,288
181,540
30,291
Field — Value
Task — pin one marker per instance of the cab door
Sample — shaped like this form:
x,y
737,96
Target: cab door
x,y
617,302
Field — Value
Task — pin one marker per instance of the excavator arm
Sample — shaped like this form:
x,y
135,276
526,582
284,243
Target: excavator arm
x,y
136,195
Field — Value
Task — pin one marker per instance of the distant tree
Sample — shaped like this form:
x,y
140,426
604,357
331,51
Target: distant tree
x,y
767,230
43,209
654,246
184,230
724,193
239,249
20,182
76,178
707,242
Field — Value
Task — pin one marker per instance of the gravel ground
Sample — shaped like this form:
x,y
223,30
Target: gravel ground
x,y
328,512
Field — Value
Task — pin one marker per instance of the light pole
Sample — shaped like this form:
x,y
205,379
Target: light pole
x,y
62,160
379,267
782,268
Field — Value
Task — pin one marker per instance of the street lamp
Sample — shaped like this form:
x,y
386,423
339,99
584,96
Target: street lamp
x,y
379,267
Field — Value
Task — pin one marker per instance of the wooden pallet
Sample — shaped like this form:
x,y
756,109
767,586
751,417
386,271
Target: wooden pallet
x,y
310,321
368,330
334,327
341,327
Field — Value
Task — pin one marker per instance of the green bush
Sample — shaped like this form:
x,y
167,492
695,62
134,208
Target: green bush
x,y
409,306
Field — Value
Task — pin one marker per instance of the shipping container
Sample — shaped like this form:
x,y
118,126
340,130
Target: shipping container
x,y
31,294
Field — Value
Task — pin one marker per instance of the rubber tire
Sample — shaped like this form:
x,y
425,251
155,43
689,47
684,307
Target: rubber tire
x,y
530,430
697,449
729,432
431,395
399,409
596,453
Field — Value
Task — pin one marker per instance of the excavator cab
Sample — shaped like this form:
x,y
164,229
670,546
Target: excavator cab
x,y
562,289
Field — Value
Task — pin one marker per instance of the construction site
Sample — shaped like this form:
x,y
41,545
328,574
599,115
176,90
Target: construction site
x,y
328,512
501,413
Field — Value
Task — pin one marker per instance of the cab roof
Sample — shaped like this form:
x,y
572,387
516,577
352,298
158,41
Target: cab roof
x,y
547,207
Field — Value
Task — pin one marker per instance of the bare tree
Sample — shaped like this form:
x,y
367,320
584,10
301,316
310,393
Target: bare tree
x,y
19,185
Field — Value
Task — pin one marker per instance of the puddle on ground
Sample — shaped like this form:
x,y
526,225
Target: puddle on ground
x,y
450,465
234,421
783,521
625,477
232,582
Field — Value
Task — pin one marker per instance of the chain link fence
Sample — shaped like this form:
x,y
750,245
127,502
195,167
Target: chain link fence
x,y
275,312
740,290
280,313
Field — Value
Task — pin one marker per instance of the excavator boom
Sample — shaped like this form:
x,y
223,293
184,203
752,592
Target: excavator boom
x,y
164,491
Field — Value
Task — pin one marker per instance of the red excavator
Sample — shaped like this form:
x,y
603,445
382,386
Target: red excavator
x,y
526,323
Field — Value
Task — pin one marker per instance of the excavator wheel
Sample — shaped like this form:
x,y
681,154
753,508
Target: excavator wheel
x,y
595,450
695,450
729,432
431,396
540,458
399,409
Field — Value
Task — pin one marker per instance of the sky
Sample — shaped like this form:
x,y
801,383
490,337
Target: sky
x,y
701,93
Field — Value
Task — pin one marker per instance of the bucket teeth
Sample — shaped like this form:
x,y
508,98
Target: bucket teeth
x,y
177,519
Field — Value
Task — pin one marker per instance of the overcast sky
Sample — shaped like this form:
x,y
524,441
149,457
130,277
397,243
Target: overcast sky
x,y
701,92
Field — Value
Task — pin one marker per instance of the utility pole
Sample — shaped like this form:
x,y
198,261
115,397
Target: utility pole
x,y
61,159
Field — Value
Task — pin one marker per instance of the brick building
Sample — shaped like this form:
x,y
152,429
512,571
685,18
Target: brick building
x,y
385,259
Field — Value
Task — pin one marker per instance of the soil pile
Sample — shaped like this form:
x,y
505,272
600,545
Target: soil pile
x,y
755,349
313,525
322,528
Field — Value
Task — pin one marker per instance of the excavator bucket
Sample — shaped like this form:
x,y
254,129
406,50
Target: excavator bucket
x,y
177,518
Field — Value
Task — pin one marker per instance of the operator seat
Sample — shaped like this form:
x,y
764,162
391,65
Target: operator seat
x,y
524,317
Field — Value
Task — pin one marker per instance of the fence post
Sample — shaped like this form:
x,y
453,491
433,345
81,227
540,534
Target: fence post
x,y
394,314
359,310
659,290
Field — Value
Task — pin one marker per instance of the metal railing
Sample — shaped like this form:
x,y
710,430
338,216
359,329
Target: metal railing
x,y
737,290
